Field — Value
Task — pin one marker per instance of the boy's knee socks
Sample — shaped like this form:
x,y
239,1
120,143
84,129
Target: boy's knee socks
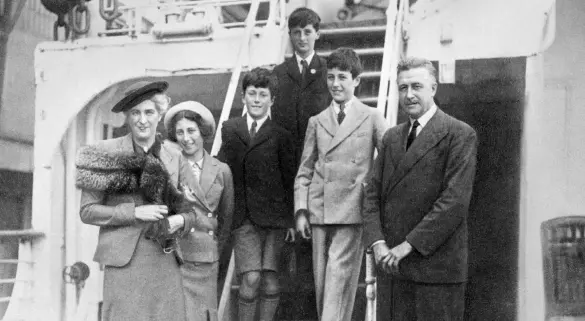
x,y
268,306
246,309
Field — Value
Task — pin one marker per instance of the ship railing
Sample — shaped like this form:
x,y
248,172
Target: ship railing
x,y
20,299
165,19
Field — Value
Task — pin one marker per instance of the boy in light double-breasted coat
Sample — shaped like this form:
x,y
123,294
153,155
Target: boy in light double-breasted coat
x,y
337,155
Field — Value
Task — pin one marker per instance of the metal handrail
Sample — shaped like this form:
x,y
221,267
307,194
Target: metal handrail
x,y
392,103
15,261
391,13
23,280
28,234
11,281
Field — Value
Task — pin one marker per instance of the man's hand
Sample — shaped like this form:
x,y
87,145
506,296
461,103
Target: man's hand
x,y
398,253
304,227
290,235
150,213
175,223
382,256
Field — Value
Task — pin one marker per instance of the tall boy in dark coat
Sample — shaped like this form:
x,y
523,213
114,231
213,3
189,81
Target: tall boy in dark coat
x,y
260,155
302,79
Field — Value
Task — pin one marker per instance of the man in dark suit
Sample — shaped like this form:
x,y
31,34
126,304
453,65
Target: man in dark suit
x,y
260,155
302,79
416,204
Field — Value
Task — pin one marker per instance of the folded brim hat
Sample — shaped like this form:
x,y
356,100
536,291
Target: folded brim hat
x,y
139,92
195,107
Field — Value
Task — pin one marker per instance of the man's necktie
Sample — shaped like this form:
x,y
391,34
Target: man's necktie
x,y
341,114
304,71
253,129
412,134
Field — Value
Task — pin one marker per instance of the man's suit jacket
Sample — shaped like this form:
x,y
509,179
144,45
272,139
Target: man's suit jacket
x,y
263,171
114,213
422,196
208,221
335,162
296,101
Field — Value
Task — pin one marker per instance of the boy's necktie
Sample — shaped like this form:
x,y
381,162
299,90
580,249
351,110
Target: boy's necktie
x,y
341,114
253,130
412,134
304,72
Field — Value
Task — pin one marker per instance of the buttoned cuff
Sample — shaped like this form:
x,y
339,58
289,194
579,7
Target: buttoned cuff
x,y
188,225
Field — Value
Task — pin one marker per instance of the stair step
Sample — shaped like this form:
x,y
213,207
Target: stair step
x,y
370,74
369,100
352,24
359,51
343,31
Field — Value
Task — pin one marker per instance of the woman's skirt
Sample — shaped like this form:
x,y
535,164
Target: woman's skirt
x,y
149,288
200,287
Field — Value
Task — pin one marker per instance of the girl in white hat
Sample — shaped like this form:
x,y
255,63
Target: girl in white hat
x,y
206,228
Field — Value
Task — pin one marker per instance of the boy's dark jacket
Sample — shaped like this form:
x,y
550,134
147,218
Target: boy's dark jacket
x,y
297,101
263,172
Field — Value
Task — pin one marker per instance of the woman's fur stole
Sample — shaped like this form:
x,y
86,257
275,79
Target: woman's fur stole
x,y
123,172
127,173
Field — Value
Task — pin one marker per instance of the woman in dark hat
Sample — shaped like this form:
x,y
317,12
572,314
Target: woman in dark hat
x,y
129,188
207,227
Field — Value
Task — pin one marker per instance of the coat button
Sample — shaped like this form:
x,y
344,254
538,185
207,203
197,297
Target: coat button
x,y
192,230
209,214
210,233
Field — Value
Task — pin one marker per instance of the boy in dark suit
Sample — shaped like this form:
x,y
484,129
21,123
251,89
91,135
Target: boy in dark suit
x,y
301,79
260,155
338,154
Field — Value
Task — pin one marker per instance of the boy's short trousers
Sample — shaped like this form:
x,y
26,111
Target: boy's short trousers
x,y
257,248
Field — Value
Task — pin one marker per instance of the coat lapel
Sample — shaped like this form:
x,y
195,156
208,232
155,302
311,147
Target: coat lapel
x,y
434,131
242,130
208,173
126,144
353,119
262,135
188,178
293,70
328,120
314,66
167,159
399,143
